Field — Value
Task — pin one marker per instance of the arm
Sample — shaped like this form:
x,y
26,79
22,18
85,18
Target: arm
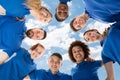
x,y
2,11
3,57
109,70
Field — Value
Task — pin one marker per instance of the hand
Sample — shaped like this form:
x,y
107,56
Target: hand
x,y
20,19
2,11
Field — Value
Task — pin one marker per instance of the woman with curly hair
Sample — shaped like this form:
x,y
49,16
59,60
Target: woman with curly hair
x,y
78,52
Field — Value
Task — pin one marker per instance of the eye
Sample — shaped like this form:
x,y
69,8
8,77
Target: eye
x,y
59,13
89,34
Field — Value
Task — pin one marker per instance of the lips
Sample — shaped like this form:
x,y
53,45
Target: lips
x,y
78,56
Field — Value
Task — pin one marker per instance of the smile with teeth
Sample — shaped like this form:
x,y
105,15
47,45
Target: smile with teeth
x,y
78,56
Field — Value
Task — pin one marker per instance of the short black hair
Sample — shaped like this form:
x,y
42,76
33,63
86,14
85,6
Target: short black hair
x,y
57,55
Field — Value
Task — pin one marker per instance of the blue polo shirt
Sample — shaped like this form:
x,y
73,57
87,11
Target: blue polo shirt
x,y
17,67
64,1
86,71
15,8
111,45
103,10
11,34
47,75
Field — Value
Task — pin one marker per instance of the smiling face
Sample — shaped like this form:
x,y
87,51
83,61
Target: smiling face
x,y
78,53
79,23
37,52
36,34
44,15
93,36
62,11
54,64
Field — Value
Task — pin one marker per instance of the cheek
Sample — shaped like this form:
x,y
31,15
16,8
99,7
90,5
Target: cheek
x,y
73,55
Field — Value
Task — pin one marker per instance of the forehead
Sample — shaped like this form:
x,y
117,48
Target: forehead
x,y
76,47
37,29
55,58
90,31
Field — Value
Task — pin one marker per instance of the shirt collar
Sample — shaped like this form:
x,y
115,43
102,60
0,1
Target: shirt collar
x,y
80,64
57,74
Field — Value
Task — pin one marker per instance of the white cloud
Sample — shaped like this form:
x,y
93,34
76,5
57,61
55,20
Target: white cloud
x,y
98,25
65,56
33,23
95,52
58,37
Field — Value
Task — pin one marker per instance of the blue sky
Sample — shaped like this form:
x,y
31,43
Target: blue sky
x,y
60,36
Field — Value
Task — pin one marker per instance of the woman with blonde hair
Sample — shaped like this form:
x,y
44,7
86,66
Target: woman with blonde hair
x,y
20,8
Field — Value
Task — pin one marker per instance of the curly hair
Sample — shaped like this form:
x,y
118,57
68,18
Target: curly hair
x,y
85,48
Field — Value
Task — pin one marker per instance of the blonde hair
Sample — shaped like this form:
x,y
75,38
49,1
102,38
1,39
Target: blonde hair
x,y
33,4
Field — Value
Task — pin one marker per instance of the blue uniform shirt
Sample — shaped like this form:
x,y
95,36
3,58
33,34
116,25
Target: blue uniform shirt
x,y
47,75
15,8
86,71
11,34
103,10
111,44
17,67
64,1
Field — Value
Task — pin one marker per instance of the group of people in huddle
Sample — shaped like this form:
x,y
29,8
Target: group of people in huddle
x,y
21,66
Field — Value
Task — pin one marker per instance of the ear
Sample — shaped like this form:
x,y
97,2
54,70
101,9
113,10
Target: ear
x,y
48,61
61,63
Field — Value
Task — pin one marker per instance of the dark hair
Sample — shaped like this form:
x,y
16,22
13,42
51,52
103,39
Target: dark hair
x,y
56,16
36,45
71,25
28,32
45,34
57,55
82,45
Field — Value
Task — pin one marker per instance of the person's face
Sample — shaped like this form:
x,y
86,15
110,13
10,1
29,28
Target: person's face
x,y
62,11
44,15
78,53
37,52
36,34
79,23
54,64
92,36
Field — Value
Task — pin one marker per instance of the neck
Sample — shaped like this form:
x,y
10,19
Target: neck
x,y
54,72
79,62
